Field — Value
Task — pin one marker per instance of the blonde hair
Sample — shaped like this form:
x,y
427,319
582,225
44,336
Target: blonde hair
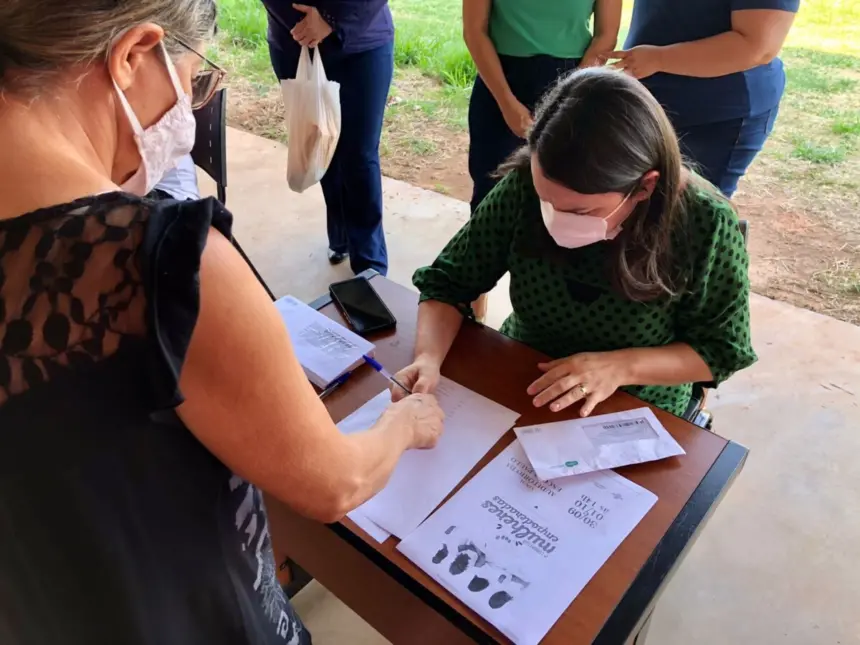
x,y
40,39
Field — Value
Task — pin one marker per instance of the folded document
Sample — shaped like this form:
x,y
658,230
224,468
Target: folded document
x,y
596,443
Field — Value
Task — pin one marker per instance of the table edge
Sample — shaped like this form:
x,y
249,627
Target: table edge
x,y
633,607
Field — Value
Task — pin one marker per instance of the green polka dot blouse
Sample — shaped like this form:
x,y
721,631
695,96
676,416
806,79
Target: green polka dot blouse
x,y
563,300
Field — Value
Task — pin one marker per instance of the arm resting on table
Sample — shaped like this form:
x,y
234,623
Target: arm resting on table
x,y
669,365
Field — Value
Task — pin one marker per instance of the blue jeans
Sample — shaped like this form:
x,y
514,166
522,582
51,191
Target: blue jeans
x,y
490,139
722,152
352,186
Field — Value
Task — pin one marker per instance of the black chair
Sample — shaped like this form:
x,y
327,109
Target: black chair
x,y
210,143
696,412
210,155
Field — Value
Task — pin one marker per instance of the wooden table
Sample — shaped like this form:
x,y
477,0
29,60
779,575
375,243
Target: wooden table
x,y
407,607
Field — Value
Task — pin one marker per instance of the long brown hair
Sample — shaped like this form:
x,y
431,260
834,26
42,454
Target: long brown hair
x,y
600,131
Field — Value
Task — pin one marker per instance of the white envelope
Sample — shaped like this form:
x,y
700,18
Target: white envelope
x,y
596,443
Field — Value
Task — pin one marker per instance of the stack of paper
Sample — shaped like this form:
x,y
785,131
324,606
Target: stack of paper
x,y
325,349
423,478
518,550
597,443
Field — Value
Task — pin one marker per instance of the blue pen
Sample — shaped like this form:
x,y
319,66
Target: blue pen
x,y
378,367
334,385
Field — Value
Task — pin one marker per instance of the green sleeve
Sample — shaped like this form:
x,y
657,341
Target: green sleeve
x,y
714,314
477,256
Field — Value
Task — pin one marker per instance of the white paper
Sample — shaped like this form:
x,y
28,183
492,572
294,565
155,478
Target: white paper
x,y
423,478
324,348
368,526
518,550
597,443
360,420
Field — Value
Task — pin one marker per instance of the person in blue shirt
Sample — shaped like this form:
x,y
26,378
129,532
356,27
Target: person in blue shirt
x,y
713,66
356,41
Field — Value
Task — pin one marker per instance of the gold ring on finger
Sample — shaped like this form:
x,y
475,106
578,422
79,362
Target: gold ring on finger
x,y
583,389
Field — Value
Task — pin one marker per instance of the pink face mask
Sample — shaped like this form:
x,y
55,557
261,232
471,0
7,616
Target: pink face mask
x,y
574,231
164,143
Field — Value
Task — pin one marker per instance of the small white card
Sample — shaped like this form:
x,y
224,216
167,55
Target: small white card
x,y
596,443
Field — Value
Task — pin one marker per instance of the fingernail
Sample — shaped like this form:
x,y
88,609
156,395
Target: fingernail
x,y
555,407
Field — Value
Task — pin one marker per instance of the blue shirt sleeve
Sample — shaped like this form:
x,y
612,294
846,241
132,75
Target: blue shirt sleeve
x,y
349,18
780,5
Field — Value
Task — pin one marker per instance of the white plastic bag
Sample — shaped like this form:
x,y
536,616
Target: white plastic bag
x,y
312,105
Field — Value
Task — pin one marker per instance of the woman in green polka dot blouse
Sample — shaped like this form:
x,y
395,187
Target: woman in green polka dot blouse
x,y
626,268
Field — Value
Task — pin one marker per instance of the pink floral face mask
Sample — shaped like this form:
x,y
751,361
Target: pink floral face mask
x,y
165,142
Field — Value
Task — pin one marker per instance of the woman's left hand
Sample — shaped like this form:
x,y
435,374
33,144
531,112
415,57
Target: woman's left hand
x,y
639,62
312,29
592,376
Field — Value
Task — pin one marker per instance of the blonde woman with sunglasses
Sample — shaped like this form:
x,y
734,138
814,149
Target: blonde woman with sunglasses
x,y
148,388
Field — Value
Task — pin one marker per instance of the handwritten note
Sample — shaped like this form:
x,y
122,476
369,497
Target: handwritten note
x,y
423,478
518,550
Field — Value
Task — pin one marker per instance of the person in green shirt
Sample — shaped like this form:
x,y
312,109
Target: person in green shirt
x,y
521,47
628,270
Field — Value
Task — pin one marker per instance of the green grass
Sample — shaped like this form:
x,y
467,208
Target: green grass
x,y
243,22
841,276
846,124
818,153
819,122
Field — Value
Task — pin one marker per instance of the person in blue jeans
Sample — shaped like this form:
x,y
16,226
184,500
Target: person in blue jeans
x,y
356,42
713,66
521,48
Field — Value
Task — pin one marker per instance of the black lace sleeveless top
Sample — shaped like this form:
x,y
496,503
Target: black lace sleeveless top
x,y
116,525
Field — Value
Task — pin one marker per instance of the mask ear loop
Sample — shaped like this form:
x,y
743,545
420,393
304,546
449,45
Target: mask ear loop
x,y
174,75
129,111
174,79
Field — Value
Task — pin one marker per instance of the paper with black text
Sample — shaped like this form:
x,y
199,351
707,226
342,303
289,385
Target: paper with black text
x,y
423,478
517,550
363,419
324,348
597,443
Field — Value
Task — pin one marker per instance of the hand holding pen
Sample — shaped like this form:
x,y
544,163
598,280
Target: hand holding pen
x,y
376,365
421,377
379,368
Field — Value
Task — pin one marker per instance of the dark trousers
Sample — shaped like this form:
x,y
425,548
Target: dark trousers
x,y
352,186
722,152
490,139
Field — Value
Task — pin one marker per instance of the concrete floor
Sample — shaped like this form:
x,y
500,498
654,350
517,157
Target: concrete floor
x,y
779,562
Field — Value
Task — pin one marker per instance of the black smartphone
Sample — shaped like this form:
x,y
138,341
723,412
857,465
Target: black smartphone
x,y
361,306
